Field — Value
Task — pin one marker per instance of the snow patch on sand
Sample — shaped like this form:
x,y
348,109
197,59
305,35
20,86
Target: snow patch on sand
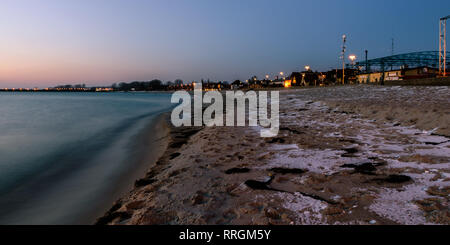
x,y
307,210
319,161
398,204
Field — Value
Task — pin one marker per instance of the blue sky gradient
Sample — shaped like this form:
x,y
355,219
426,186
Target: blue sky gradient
x,y
98,42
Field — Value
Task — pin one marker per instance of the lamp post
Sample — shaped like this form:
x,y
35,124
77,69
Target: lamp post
x,y
344,39
307,68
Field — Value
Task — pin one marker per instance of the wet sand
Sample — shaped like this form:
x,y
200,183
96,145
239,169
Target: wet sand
x,y
344,155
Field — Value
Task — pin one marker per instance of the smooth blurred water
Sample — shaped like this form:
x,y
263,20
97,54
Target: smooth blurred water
x,y
60,152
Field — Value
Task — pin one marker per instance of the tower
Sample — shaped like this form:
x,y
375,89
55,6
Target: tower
x,y
443,46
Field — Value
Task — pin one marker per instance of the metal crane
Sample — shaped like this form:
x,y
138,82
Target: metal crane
x,y
443,45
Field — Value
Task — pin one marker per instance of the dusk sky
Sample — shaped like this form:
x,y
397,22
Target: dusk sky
x,y
99,42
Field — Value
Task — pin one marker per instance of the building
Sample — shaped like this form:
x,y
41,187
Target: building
x,y
373,77
420,72
424,65
306,78
397,75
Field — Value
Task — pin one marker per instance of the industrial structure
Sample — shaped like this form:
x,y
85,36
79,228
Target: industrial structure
x,y
425,64
443,45
402,66
415,59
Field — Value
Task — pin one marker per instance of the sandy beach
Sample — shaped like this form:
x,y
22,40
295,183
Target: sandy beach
x,y
369,155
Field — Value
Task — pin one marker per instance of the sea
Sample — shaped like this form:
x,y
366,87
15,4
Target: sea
x,y
66,157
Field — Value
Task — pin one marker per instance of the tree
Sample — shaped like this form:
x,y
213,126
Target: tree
x,y
155,84
178,82
237,83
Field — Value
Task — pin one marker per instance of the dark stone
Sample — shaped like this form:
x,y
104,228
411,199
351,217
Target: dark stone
x,y
380,163
364,168
237,171
144,182
395,179
259,185
432,143
277,140
198,198
174,155
288,170
177,144
351,150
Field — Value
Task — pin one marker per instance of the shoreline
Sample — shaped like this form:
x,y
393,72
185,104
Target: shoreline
x,y
330,164
148,145
174,138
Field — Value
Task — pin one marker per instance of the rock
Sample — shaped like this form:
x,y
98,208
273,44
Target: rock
x,y
276,140
144,182
237,171
288,170
363,168
198,198
174,155
394,179
260,185
351,150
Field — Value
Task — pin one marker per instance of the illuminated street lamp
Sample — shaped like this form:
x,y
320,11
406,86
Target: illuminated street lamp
x,y
267,77
282,74
307,68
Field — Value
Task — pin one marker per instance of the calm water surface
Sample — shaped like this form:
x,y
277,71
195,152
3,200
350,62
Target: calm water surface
x,y
64,156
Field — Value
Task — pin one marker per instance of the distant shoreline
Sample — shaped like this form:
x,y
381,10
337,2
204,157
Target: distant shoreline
x,y
444,81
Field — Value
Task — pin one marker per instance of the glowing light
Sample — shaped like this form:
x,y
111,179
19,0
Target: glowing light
x,y
287,83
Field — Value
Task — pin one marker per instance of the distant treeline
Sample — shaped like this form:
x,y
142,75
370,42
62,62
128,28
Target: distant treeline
x,y
140,86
